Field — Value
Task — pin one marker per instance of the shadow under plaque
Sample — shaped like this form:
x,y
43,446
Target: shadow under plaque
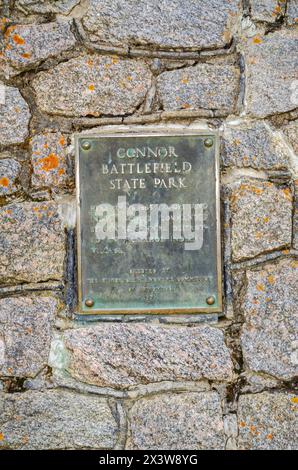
x,y
148,223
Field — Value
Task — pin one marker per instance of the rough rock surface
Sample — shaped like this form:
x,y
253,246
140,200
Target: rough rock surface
x,y
31,243
49,160
55,419
261,218
204,86
119,355
291,132
44,6
268,421
295,217
9,176
25,334
267,10
292,12
270,73
269,335
27,45
93,85
14,116
160,23
183,421
253,145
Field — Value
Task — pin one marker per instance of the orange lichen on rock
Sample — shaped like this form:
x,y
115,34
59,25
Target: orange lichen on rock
x,y
184,81
49,159
4,181
62,140
260,287
253,430
287,193
271,279
269,436
3,21
91,87
277,10
257,40
9,30
26,55
257,191
252,188
1,436
294,399
50,162
18,40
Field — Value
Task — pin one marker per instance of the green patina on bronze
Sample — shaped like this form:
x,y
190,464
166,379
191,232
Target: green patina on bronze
x,y
144,276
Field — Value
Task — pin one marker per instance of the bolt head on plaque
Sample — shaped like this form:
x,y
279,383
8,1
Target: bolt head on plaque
x,y
89,302
86,145
210,300
208,142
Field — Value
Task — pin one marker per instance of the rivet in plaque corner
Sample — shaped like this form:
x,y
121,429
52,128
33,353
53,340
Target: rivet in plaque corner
x,y
210,300
89,302
208,142
86,145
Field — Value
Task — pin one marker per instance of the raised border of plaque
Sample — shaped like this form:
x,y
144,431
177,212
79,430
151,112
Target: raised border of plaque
x,y
208,142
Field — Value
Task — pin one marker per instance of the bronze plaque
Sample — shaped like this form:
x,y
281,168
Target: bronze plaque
x,y
148,223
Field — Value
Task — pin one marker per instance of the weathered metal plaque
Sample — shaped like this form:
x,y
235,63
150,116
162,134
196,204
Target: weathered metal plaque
x,y
148,223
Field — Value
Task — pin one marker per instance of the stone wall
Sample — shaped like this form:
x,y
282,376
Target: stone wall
x,y
162,382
